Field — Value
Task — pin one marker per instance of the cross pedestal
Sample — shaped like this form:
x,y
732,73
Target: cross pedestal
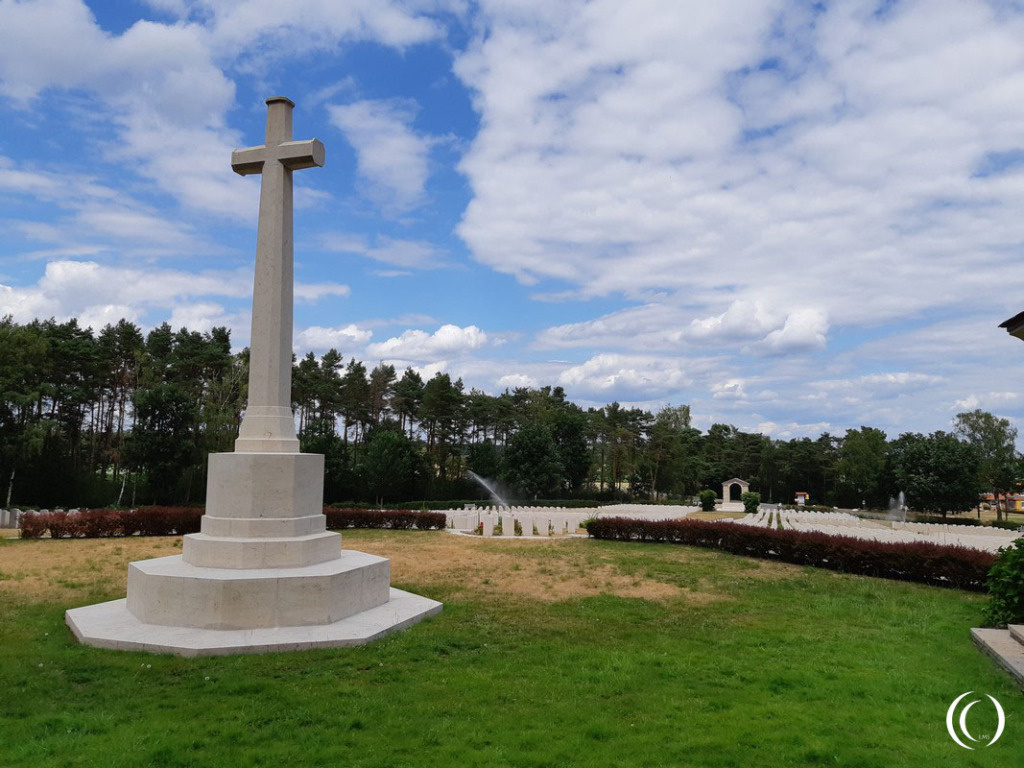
x,y
264,573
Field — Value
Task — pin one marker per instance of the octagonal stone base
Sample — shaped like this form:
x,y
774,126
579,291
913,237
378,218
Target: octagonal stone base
x,y
263,574
171,592
111,625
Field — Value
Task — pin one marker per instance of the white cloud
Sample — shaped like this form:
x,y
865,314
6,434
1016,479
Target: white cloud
x,y
447,341
793,429
811,166
969,403
900,379
742,320
343,338
202,316
126,224
301,26
653,325
730,388
391,156
101,315
88,289
157,83
164,92
402,253
316,291
514,380
804,330
624,377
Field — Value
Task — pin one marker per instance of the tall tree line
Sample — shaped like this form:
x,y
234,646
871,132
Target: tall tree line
x,y
124,417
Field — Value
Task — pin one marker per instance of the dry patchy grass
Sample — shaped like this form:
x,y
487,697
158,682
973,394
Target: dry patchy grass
x,y
65,570
552,570
72,571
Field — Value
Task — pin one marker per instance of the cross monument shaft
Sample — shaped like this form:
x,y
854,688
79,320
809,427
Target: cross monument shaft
x,y
268,425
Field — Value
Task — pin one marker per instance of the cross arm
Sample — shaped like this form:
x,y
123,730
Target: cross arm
x,y
246,161
301,154
293,155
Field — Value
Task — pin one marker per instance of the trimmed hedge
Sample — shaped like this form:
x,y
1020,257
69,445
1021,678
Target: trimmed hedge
x,y
1007,525
32,525
394,519
103,523
162,521
943,566
178,521
940,520
808,507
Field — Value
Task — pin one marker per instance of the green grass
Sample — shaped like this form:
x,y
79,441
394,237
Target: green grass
x,y
788,667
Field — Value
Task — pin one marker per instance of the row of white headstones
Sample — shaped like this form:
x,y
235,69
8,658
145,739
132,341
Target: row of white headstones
x,y
544,521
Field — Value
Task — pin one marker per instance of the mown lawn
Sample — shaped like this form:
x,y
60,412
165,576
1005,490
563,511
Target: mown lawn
x,y
561,653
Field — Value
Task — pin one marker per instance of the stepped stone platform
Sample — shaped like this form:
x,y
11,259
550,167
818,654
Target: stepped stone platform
x,y
111,625
1006,646
262,589
264,573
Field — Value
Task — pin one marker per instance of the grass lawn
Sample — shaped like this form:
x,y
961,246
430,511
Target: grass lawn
x,y
560,653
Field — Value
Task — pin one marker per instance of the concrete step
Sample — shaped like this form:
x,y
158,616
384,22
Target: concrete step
x,y
1006,646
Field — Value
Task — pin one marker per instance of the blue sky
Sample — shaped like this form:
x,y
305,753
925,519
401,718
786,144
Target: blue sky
x,y
793,216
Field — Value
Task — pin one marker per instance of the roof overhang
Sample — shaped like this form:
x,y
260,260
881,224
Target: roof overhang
x,y
1014,326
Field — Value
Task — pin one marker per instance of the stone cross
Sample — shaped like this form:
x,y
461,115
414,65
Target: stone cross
x,y
268,425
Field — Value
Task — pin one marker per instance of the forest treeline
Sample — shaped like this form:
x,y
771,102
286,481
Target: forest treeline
x,y
122,417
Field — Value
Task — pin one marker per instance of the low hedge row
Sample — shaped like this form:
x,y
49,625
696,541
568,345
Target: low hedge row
x,y
177,521
942,566
101,523
940,520
1008,525
395,519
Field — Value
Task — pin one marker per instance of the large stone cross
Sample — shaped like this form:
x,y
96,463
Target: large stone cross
x,y
268,426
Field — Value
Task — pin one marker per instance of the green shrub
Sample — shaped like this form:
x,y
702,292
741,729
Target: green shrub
x,y
939,520
751,501
1006,587
1009,525
707,500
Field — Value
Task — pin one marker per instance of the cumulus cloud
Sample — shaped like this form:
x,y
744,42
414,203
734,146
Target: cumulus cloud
x,y
391,157
804,330
204,316
878,384
398,252
307,25
343,338
775,154
163,93
653,325
89,289
624,377
742,320
730,388
317,291
447,341
515,380
166,94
